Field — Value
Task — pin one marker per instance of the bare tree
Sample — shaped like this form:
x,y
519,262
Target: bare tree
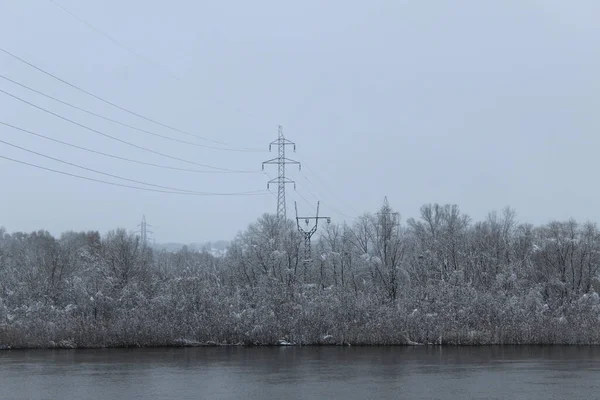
x,y
122,254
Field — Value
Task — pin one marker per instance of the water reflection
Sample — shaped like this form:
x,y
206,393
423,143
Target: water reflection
x,y
528,372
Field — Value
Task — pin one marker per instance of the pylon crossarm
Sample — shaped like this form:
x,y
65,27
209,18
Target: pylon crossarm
x,y
281,161
283,142
276,180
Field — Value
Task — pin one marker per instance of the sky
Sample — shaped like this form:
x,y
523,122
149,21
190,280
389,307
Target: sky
x,y
480,104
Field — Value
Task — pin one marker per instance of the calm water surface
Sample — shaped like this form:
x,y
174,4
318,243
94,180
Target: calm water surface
x,y
303,373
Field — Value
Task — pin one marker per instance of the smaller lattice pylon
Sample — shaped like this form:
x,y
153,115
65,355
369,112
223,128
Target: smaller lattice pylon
x,y
144,231
309,232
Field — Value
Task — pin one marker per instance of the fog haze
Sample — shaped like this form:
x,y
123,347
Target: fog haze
x,y
476,103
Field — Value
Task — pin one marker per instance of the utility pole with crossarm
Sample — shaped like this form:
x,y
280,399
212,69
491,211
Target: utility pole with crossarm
x,y
308,233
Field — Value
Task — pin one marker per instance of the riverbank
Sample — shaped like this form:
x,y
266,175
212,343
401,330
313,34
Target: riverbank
x,y
87,291
550,331
323,317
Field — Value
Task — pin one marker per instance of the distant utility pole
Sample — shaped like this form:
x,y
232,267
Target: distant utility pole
x,y
388,218
281,179
144,231
309,232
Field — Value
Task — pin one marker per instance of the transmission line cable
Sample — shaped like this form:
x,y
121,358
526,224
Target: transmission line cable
x,y
115,41
116,121
272,194
112,175
116,105
116,138
294,193
122,158
305,200
312,194
326,204
124,185
330,191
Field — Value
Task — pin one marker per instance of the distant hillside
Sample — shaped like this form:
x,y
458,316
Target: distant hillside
x,y
218,246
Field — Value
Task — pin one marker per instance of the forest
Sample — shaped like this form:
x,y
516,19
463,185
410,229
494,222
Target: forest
x,y
437,279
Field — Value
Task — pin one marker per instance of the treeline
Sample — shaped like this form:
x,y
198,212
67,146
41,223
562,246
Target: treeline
x,y
439,279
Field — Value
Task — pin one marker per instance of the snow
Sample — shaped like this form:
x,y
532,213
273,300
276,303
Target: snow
x,y
186,342
277,253
283,342
262,296
70,307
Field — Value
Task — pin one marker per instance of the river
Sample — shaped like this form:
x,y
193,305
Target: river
x,y
527,372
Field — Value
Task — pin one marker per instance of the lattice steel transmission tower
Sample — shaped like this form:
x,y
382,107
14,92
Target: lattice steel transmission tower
x,y
281,179
388,218
310,232
144,231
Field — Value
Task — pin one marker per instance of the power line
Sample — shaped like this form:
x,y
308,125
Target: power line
x,y
115,41
305,200
293,194
113,104
310,192
119,122
114,137
330,191
123,158
126,186
104,173
333,208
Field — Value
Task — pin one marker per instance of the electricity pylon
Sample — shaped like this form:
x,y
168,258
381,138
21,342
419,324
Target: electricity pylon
x,y
281,179
144,231
387,217
310,232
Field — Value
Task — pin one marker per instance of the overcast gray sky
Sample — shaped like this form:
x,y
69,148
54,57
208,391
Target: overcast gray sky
x,y
479,103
